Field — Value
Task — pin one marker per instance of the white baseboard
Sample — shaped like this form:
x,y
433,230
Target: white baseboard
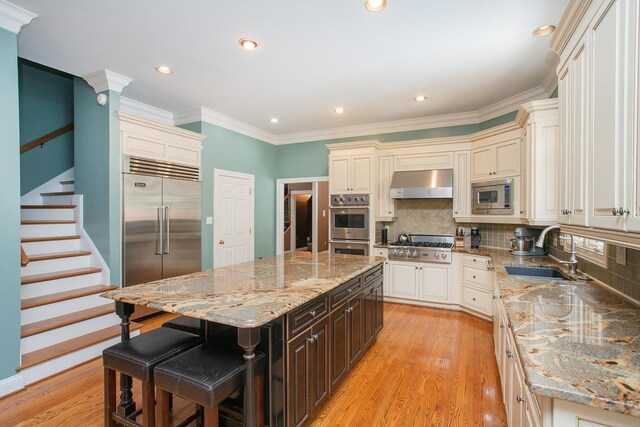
x,y
33,197
11,384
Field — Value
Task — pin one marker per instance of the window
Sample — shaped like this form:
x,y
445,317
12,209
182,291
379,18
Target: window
x,y
591,250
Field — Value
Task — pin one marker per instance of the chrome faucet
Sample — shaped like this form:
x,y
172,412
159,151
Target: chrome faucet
x,y
572,264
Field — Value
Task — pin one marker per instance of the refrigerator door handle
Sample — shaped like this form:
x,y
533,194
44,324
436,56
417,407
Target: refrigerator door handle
x,y
160,224
167,218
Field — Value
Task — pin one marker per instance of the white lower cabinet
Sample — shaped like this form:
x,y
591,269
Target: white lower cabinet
x,y
435,283
404,279
420,281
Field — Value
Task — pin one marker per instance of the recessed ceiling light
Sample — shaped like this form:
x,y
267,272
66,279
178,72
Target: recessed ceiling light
x,y
375,5
248,44
163,69
420,98
545,30
338,110
274,120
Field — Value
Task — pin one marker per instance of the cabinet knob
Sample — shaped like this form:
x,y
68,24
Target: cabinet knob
x,y
624,211
473,299
501,325
312,313
614,211
474,276
311,339
519,399
221,242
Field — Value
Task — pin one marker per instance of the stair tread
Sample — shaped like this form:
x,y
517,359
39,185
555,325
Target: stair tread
x,y
43,277
48,239
47,221
58,193
47,206
65,320
65,296
67,182
57,255
45,354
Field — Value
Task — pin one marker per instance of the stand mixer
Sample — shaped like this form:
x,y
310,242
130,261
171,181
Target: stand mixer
x,y
524,242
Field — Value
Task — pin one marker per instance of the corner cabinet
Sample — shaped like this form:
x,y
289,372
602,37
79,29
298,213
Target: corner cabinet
x,y
351,173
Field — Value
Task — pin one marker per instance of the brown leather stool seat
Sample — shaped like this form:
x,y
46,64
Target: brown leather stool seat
x,y
185,323
206,375
137,358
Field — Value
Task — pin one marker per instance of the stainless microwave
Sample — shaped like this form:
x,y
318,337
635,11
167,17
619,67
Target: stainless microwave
x,y
493,197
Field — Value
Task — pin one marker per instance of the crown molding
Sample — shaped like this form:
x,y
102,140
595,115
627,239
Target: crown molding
x,y
13,17
146,111
534,107
573,14
127,117
209,116
511,104
102,80
550,82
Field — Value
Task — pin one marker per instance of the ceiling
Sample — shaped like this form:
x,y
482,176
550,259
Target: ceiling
x,y
313,56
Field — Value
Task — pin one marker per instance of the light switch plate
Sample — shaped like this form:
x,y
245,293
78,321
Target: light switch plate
x,y
621,255
209,220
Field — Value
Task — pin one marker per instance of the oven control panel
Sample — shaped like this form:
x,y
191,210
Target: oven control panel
x,y
338,200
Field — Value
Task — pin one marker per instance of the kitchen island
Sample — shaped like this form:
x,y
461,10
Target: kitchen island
x,y
313,316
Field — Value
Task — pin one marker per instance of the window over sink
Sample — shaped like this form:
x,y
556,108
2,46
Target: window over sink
x,y
591,250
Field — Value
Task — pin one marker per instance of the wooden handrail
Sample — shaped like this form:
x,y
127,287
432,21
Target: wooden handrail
x,y
48,137
24,259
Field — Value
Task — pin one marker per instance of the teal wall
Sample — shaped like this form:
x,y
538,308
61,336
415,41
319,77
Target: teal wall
x,y
10,212
309,159
228,150
98,171
46,104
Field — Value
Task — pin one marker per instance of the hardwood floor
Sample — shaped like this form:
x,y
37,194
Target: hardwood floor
x,y
428,368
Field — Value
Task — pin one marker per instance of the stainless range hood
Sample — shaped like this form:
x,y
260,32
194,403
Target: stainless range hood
x,y
426,184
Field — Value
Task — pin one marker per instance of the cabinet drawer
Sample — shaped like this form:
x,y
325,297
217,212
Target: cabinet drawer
x,y
479,261
380,252
373,274
478,276
304,316
346,291
476,299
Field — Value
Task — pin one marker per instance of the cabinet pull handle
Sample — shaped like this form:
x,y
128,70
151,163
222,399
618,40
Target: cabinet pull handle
x,y
519,399
502,325
509,354
614,211
624,211
474,260
494,297
311,339
349,290
474,276
473,298
312,313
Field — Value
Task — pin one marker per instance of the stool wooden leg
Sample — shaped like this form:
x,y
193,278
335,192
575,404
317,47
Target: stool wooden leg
x,y
163,407
109,397
259,391
148,404
211,417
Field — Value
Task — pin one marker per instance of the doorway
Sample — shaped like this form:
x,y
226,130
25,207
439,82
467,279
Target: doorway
x,y
233,205
302,215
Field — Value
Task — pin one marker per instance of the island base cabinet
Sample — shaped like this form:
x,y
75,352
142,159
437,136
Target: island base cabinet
x,y
308,371
355,315
339,344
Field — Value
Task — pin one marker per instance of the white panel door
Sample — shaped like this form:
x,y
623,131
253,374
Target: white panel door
x,y
482,163
361,174
565,111
233,218
339,175
435,283
404,280
577,160
386,205
461,185
507,163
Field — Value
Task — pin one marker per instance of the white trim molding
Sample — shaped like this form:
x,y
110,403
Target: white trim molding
x,y
511,104
11,385
102,80
13,18
146,111
212,117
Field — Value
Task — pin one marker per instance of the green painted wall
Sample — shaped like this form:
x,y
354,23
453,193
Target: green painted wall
x,y
554,94
46,104
98,171
225,149
308,159
10,212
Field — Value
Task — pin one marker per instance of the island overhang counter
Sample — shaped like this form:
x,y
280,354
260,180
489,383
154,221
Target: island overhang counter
x,y
274,303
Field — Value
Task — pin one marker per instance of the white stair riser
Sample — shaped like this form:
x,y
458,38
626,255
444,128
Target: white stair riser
x,y
59,364
52,246
31,214
50,311
56,200
47,230
46,339
59,285
54,265
67,187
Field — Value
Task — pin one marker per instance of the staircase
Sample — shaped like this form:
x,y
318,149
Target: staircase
x,y
64,321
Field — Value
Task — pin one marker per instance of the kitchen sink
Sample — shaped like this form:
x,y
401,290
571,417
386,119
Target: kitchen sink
x,y
537,272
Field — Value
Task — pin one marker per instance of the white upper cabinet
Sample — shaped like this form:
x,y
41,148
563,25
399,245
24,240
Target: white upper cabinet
x,y
461,184
351,173
339,170
386,205
500,160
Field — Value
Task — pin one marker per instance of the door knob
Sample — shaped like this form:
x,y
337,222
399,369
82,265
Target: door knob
x,y
221,242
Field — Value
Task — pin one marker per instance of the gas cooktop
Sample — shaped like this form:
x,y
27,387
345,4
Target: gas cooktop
x,y
423,248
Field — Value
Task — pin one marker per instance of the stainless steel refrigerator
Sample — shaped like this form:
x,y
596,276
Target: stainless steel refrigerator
x,y
162,229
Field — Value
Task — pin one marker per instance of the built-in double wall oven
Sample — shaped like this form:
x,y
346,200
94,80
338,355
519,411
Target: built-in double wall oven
x,y
350,224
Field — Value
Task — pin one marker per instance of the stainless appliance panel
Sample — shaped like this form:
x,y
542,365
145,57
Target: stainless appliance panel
x,y
181,207
349,247
493,197
422,184
350,223
142,197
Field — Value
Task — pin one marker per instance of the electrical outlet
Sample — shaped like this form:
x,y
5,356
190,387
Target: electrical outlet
x,y
621,255
209,220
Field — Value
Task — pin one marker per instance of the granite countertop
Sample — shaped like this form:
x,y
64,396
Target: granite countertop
x,y
578,341
250,294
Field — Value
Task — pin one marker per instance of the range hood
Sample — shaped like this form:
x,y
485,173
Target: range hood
x,y
426,184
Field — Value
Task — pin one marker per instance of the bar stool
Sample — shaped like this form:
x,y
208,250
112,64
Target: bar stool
x,y
207,375
137,358
185,323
